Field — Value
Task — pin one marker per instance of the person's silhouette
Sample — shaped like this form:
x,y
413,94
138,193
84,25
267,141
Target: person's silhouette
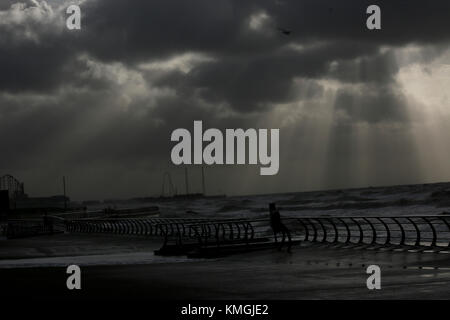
x,y
48,223
278,226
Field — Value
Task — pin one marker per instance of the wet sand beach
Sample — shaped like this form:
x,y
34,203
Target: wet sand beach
x,y
125,268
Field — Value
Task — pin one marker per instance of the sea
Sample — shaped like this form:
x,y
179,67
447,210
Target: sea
x,y
417,199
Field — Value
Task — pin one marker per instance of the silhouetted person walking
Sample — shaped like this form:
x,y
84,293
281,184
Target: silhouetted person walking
x,y
278,226
48,223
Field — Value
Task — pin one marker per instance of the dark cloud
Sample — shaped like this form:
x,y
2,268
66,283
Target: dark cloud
x,y
402,21
139,31
143,29
249,83
84,100
378,68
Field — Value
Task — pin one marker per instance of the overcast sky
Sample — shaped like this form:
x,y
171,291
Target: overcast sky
x,y
354,107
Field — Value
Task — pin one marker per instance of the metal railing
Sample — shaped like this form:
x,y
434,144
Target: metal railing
x,y
27,228
416,231
427,231
133,226
217,233
204,231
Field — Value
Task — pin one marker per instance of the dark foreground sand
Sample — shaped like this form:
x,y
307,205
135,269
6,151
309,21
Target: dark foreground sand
x,y
310,272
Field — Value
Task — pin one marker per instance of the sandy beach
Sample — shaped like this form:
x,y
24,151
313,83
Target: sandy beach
x,y
126,268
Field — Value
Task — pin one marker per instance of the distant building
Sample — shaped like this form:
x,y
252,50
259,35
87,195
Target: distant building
x,y
12,189
4,201
13,196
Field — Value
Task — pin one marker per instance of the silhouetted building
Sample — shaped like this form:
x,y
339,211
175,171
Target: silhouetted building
x,y
4,201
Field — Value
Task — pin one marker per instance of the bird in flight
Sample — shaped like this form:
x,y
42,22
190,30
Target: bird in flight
x,y
284,31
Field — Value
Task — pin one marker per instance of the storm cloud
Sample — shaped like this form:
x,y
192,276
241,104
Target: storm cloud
x,y
99,103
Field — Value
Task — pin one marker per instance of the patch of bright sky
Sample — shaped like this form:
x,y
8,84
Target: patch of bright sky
x,y
184,62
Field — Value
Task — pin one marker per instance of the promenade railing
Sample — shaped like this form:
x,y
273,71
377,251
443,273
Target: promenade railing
x,y
414,230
